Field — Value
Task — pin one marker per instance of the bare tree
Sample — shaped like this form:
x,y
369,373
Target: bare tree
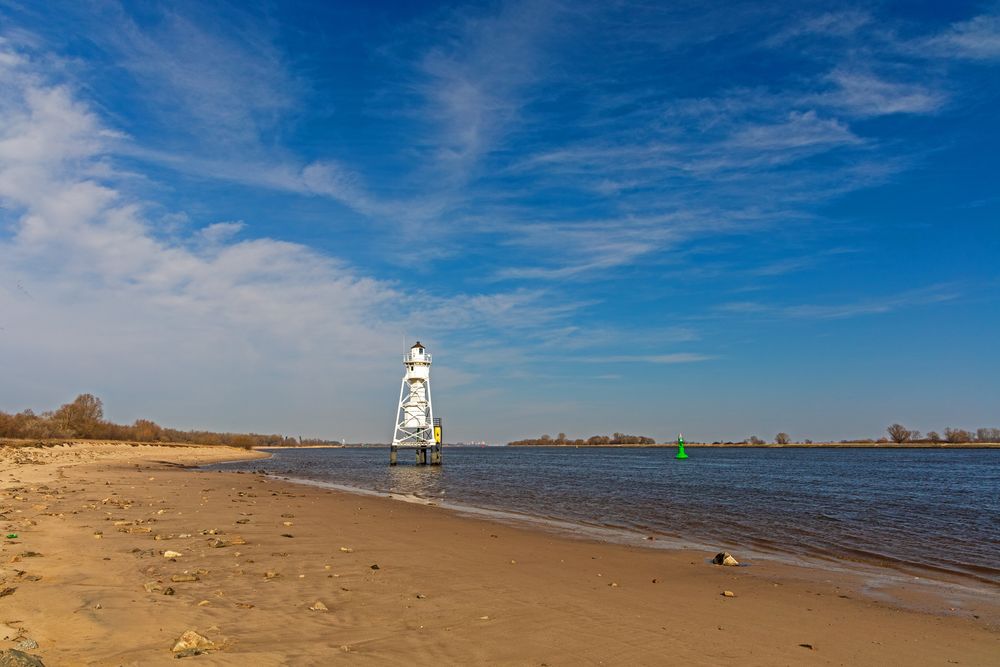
x,y
988,434
957,435
782,438
898,433
933,436
754,440
83,416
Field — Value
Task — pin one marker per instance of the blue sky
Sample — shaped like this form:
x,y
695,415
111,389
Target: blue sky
x,y
721,218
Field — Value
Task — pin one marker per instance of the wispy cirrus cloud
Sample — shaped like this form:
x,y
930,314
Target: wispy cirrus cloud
x,y
671,358
975,39
871,306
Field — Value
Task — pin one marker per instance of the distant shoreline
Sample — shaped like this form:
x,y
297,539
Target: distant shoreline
x,y
799,445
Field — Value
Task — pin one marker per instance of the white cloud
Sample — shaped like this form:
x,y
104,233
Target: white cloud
x,y
672,358
800,130
226,86
836,311
473,83
864,94
975,39
220,231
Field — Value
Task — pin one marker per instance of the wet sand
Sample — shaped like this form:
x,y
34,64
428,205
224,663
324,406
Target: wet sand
x,y
87,577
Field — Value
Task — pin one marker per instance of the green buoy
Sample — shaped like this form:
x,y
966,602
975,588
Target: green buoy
x,y
680,447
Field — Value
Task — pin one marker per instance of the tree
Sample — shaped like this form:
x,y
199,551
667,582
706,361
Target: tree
x,y
83,416
754,440
914,436
782,439
957,435
933,436
145,430
988,434
898,433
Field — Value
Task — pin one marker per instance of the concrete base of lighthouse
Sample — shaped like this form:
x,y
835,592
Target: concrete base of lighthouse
x,y
421,455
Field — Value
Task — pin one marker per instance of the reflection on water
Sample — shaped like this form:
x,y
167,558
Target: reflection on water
x,y
419,481
911,509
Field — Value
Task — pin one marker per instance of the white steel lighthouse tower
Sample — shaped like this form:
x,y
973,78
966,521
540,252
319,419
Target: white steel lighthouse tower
x,y
415,416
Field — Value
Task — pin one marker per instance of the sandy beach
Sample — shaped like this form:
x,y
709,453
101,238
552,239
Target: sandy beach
x,y
90,578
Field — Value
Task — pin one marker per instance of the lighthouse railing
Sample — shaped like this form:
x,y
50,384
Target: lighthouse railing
x,y
410,357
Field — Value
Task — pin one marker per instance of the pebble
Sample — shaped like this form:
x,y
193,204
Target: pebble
x,y
171,554
26,644
728,594
181,578
319,606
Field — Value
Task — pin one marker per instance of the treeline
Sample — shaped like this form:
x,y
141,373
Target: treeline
x,y
592,441
84,418
897,433
900,434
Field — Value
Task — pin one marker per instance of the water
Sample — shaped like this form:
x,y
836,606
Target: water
x,y
920,511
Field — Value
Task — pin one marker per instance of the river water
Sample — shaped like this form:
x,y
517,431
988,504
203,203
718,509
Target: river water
x,y
918,511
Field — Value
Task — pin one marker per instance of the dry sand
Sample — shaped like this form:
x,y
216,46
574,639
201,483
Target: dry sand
x,y
448,589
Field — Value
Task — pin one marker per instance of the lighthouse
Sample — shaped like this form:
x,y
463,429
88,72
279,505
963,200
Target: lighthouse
x,y
415,423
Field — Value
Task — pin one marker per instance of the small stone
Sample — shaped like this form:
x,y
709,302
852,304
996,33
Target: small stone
x,y
376,567
152,587
421,596
182,578
286,535
26,644
725,558
728,594
319,606
237,540
14,658
346,550
808,646
286,523
168,590
192,640
613,584
287,516
270,574
204,603
171,554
